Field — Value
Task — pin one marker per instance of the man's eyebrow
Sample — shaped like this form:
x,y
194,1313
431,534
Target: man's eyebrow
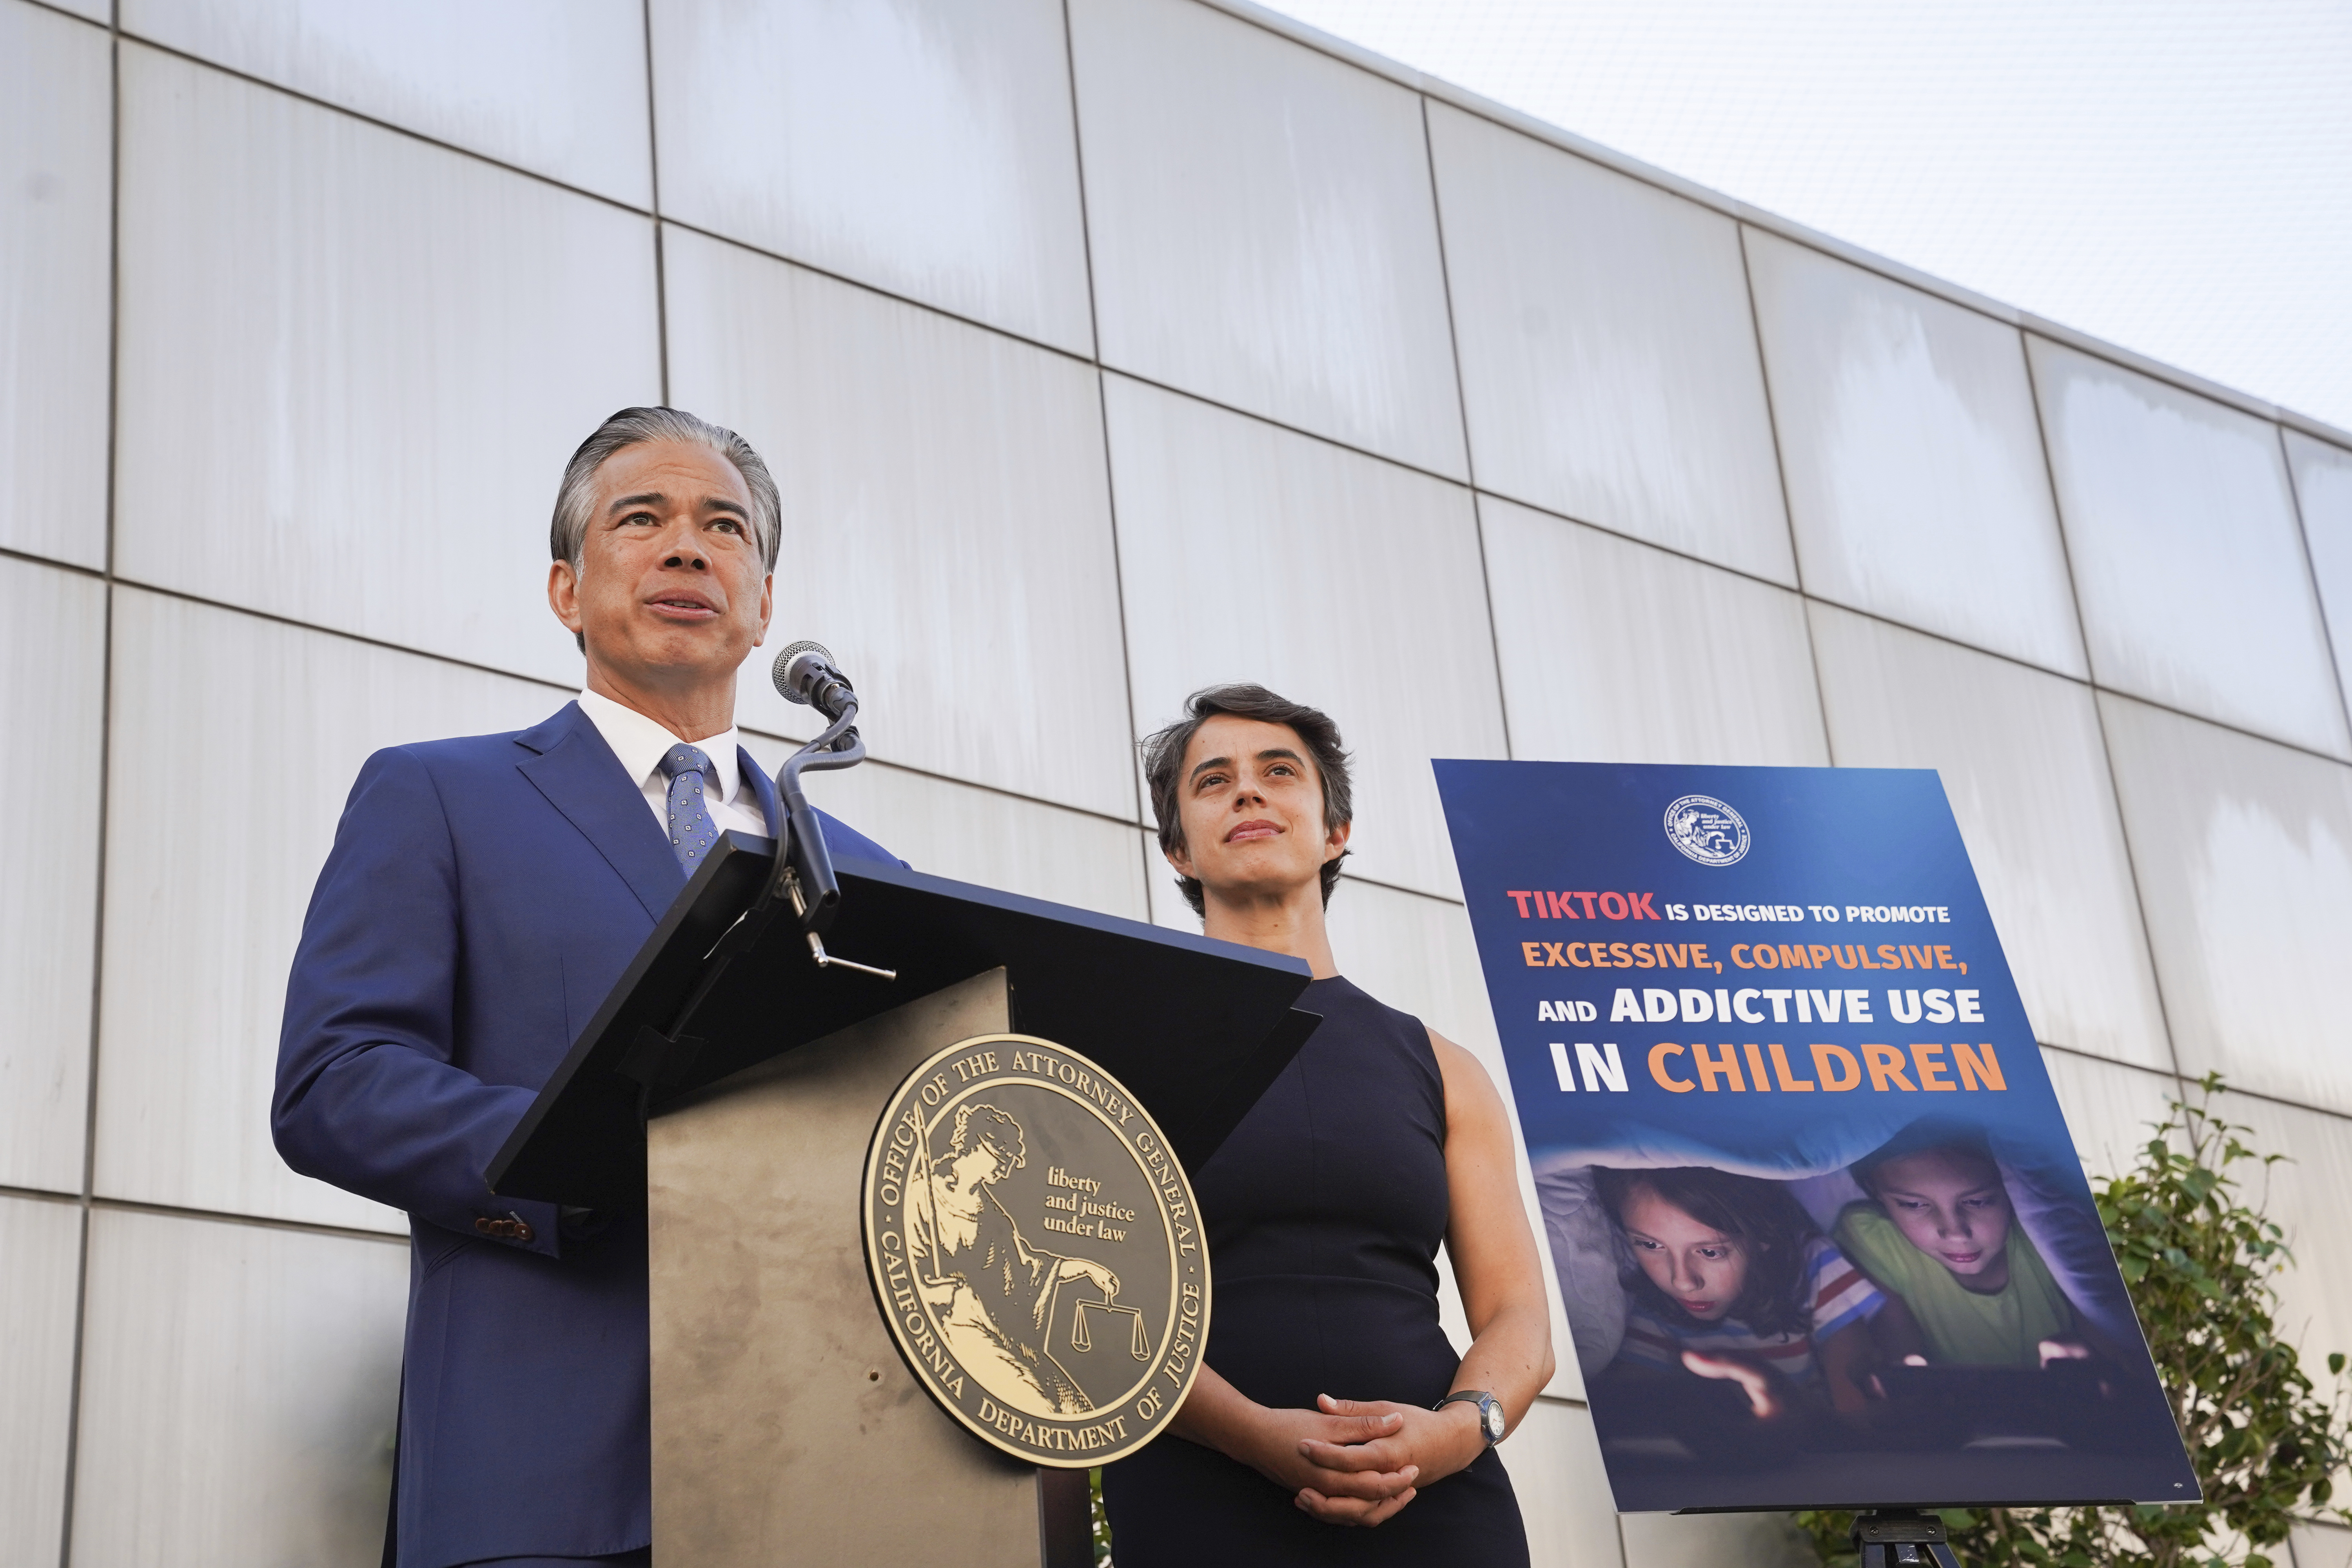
x,y
655,498
1200,767
1272,751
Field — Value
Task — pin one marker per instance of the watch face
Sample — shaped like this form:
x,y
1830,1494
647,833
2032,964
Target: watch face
x,y
1490,1413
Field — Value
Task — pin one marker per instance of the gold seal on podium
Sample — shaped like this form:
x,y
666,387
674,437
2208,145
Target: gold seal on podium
x,y
1036,1248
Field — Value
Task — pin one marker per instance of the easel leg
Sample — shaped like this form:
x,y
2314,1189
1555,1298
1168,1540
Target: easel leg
x,y
1901,1538
1920,1555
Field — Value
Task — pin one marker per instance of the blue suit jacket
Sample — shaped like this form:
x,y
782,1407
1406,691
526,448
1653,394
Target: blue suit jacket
x,y
482,897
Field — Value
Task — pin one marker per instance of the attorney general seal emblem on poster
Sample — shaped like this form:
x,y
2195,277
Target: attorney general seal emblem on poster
x,y
1036,1250
1706,830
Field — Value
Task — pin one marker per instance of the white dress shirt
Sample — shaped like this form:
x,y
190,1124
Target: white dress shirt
x,y
641,744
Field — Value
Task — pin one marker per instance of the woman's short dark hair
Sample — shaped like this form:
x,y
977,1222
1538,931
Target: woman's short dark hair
x,y
1164,765
1766,1217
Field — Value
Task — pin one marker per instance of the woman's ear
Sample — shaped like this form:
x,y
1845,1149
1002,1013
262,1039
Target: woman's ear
x,y
1335,841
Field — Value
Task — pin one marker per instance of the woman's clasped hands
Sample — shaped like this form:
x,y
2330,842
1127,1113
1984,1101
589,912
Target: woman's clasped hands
x,y
1359,1462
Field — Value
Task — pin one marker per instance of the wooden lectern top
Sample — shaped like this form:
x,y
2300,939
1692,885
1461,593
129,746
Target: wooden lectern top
x,y
1197,1029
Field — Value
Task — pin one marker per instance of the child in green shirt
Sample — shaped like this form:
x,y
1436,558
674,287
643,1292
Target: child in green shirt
x,y
1939,1233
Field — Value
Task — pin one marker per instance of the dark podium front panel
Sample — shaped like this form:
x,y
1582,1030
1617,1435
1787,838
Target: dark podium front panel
x,y
1197,1029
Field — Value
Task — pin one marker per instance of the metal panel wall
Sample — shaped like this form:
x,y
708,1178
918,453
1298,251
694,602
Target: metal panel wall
x,y
554,86
56,101
1613,651
40,1264
924,147
1609,368
947,519
53,630
2194,583
353,361
2244,853
1916,477
1263,228
373,283
236,1394
2323,490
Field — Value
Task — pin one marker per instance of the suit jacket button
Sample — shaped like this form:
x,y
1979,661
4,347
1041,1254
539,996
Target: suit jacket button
x,y
486,1226
519,1230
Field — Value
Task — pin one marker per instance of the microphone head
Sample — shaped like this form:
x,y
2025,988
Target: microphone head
x,y
795,664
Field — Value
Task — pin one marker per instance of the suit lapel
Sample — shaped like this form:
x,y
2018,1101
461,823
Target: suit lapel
x,y
576,770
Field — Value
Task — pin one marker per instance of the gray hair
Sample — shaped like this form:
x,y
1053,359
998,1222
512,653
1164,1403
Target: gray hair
x,y
575,499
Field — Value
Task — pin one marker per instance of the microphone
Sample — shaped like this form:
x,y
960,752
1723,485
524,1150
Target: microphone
x,y
805,673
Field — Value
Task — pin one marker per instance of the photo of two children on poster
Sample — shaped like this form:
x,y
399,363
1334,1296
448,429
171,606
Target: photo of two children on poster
x,y
1741,1333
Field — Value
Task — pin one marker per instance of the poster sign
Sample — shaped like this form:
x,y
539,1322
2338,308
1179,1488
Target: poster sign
x,y
1822,1236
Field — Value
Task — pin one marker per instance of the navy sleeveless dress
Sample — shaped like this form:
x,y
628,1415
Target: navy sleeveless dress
x,y
1324,1212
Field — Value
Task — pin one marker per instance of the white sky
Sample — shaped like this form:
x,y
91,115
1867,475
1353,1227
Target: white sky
x,y
2173,177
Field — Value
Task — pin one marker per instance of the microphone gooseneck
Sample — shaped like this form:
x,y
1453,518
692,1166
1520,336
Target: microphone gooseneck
x,y
805,673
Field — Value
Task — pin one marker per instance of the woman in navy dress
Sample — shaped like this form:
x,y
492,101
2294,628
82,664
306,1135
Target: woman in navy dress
x,y
1322,1407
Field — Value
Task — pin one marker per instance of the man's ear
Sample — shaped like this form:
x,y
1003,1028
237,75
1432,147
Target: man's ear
x,y
1182,858
564,594
767,608
1335,841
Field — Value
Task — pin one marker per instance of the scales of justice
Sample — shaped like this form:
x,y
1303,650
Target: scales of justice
x,y
1141,1347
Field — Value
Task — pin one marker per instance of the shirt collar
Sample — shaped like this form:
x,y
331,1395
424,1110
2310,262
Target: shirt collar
x,y
641,743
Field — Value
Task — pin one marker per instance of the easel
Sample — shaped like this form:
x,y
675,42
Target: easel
x,y
1901,1538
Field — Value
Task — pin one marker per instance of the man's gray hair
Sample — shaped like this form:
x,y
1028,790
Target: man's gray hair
x,y
575,499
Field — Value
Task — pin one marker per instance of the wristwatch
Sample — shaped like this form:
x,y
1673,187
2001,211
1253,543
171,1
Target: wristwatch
x,y
1490,1412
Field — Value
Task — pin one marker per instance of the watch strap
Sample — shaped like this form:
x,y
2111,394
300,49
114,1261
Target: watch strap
x,y
1482,1399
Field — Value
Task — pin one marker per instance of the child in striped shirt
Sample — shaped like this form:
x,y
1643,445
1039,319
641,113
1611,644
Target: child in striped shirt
x,y
1737,1282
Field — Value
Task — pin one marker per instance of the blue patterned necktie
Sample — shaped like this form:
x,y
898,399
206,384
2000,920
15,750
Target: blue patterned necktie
x,y
691,831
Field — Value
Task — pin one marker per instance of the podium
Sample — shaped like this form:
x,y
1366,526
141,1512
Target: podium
x,y
731,1085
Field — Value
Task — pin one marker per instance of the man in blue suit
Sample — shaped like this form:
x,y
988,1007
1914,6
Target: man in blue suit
x,y
481,898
